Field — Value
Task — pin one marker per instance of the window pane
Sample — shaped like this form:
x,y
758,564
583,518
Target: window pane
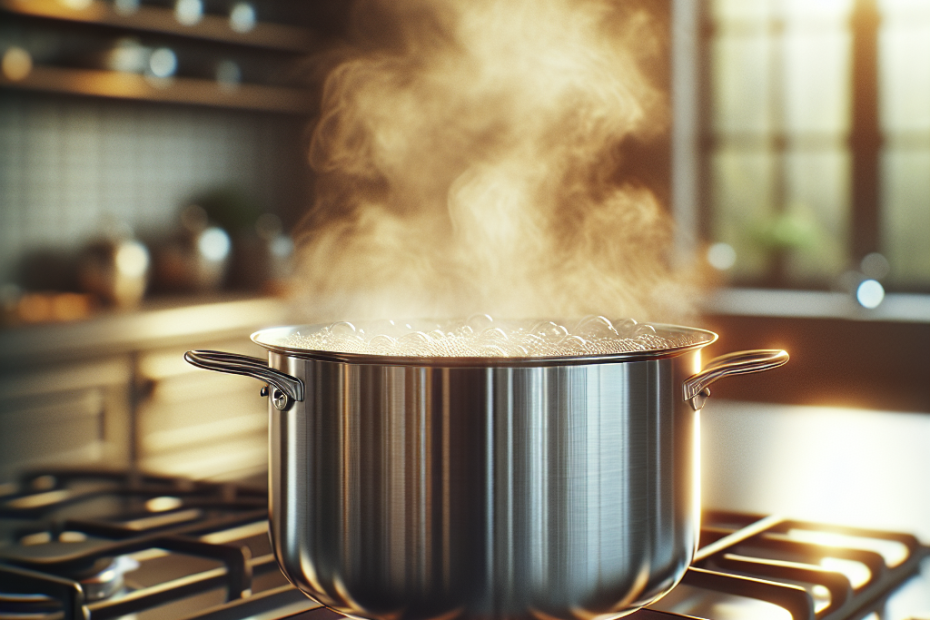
x,y
904,82
753,10
816,80
905,7
741,84
766,10
781,80
817,202
906,216
904,69
743,191
817,9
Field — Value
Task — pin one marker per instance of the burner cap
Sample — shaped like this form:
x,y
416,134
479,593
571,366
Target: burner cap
x,y
73,556
103,580
108,581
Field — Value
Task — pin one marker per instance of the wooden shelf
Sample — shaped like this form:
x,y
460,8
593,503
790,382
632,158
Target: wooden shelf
x,y
213,28
130,86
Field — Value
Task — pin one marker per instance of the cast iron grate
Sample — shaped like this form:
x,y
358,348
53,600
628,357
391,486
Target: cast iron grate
x,y
105,515
754,556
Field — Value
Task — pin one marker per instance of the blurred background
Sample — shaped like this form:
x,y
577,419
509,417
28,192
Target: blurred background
x,y
153,165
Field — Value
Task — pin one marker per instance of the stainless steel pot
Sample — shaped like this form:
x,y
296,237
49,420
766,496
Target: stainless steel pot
x,y
415,488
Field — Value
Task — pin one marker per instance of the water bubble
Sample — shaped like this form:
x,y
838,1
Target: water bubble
x,y
592,334
479,322
493,334
342,328
414,338
352,344
593,326
625,327
492,350
573,344
382,341
550,331
532,341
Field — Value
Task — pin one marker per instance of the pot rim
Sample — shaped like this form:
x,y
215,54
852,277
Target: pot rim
x,y
272,337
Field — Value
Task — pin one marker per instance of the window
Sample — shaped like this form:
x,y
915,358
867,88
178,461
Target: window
x,y
816,142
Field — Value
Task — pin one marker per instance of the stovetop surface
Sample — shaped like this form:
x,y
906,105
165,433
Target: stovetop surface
x,y
145,546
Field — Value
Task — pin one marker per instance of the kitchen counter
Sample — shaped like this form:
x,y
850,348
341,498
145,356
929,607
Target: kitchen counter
x,y
162,322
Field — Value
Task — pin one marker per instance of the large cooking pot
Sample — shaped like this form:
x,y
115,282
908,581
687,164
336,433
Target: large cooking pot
x,y
551,487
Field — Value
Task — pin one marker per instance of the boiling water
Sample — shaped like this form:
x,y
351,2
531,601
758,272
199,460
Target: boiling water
x,y
482,336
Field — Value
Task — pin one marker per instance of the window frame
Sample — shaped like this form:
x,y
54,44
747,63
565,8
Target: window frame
x,y
842,353
693,36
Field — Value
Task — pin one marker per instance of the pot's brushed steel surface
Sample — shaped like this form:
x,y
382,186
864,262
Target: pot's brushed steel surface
x,y
414,492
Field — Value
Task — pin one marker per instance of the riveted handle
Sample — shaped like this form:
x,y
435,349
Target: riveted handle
x,y
289,388
695,388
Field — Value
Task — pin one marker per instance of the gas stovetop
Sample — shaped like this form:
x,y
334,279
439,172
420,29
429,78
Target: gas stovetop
x,y
76,543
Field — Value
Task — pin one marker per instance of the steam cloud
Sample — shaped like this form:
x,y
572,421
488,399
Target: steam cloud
x,y
467,159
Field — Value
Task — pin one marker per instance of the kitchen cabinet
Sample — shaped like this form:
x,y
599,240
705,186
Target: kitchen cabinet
x,y
116,391
56,414
195,424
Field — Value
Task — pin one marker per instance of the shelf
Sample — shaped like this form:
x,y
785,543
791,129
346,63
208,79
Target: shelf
x,y
112,84
160,20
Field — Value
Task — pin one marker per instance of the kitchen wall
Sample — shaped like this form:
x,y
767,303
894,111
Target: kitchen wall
x,y
70,164
830,464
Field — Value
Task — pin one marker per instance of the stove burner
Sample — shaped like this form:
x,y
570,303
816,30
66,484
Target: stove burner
x,y
108,581
51,560
104,579
111,544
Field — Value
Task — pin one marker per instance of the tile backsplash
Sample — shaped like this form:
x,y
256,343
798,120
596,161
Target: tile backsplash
x,y
69,164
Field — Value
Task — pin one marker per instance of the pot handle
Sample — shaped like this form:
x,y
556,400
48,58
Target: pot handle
x,y
291,388
695,388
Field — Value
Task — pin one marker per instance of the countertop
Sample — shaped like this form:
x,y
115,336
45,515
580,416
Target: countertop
x,y
161,322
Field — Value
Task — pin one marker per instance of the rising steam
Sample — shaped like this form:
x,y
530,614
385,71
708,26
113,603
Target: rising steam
x,y
467,156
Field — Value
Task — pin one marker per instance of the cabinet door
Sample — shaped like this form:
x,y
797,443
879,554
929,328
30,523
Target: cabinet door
x,y
197,423
68,414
